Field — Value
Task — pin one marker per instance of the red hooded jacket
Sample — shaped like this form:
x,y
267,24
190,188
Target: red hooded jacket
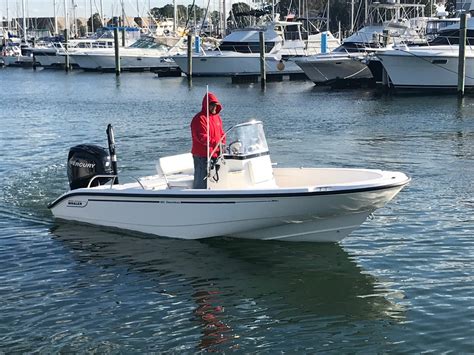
x,y
199,129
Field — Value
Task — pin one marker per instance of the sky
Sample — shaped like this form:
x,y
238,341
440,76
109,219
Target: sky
x,y
45,8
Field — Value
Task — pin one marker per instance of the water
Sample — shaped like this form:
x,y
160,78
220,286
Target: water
x,y
403,282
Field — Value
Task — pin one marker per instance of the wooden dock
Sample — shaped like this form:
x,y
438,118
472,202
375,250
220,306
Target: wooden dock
x,y
255,78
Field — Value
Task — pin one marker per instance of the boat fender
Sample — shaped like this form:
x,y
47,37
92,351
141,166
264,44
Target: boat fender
x,y
280,65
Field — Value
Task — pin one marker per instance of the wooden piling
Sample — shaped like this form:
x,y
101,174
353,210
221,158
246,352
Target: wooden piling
x,y
462,54
386,38
190,58
263,74
117,51
124,34
67,64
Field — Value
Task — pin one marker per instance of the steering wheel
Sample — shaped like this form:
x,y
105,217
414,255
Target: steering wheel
x,y
234,147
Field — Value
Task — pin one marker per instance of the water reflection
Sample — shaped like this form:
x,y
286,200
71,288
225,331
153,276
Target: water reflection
x,y
240,289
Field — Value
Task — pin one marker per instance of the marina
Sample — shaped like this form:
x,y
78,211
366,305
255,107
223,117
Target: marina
x,y
402,273
336,212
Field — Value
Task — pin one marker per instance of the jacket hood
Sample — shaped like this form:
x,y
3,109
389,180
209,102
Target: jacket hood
x,y
212,98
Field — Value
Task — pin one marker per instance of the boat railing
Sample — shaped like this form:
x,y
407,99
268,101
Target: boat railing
x,y
451,42
112,180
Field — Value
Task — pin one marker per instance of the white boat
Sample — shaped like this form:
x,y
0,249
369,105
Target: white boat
x,y
426,67
337,65
238,52
434,66
53,56
16,54
247,197
145,54
390,23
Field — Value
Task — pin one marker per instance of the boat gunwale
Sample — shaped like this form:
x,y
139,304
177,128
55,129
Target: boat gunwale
x,y
213,194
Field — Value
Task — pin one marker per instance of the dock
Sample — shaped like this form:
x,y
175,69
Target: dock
x,y
255,78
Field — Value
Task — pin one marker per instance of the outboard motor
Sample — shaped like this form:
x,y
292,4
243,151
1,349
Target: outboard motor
x,y
86,161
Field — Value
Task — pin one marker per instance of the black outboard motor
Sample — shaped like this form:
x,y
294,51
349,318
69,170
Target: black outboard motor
x,y
86,161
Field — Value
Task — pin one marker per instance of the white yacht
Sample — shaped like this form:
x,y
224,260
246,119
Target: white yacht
x,y
434,66
390,23
145,54
238,52
53,56
16,54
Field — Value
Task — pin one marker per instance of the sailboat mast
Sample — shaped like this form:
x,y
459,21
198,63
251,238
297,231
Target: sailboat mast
x,y
174,16
224,23
101,13
92,17
8,19
327,21
24,20
123,13
74,22
352,16
55,18
149,16
66,21
366,17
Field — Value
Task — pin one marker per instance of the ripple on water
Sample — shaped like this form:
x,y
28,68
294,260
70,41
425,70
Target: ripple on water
x,y
400,283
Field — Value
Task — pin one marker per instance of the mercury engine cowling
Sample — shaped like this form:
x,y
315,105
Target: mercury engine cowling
x,y
86,161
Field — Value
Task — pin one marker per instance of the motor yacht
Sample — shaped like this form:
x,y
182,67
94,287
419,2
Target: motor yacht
x,y
388,23
433,66
238,52
146,53
246,196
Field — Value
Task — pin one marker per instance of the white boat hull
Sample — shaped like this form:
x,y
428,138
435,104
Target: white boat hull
x,y
228,64
324,69
435,68
317,214
17,61
104,61
51,61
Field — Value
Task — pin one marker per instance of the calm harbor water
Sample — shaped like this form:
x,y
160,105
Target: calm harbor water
x,y
403,282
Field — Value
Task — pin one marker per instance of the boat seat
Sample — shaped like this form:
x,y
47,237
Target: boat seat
x,y
176,164
173,165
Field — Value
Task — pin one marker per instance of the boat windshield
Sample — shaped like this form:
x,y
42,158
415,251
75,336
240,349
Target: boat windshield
x,y
246,139
149,43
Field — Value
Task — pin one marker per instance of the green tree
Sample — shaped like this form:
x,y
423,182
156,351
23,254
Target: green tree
x,y
95,20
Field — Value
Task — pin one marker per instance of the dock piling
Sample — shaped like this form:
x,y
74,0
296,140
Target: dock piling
x,y
67,65
462,54
190,58
263,74
117,51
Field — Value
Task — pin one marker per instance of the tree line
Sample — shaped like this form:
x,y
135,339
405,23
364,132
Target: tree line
x,y
241,15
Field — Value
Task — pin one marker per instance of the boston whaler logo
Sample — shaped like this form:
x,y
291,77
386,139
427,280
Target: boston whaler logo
x,y
81,164
76,203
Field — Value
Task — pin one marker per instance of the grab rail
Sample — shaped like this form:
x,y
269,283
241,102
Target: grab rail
x,y
113,177
103,176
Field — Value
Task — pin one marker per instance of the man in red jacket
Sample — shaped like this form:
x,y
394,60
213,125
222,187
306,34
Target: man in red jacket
x,y
200,135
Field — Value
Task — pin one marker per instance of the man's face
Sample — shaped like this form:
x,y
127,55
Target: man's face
x,y
213,108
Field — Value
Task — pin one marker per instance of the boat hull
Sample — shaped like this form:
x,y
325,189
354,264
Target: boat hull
x,y
426,68
225,64
327,69
316,216
106,62
17,61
